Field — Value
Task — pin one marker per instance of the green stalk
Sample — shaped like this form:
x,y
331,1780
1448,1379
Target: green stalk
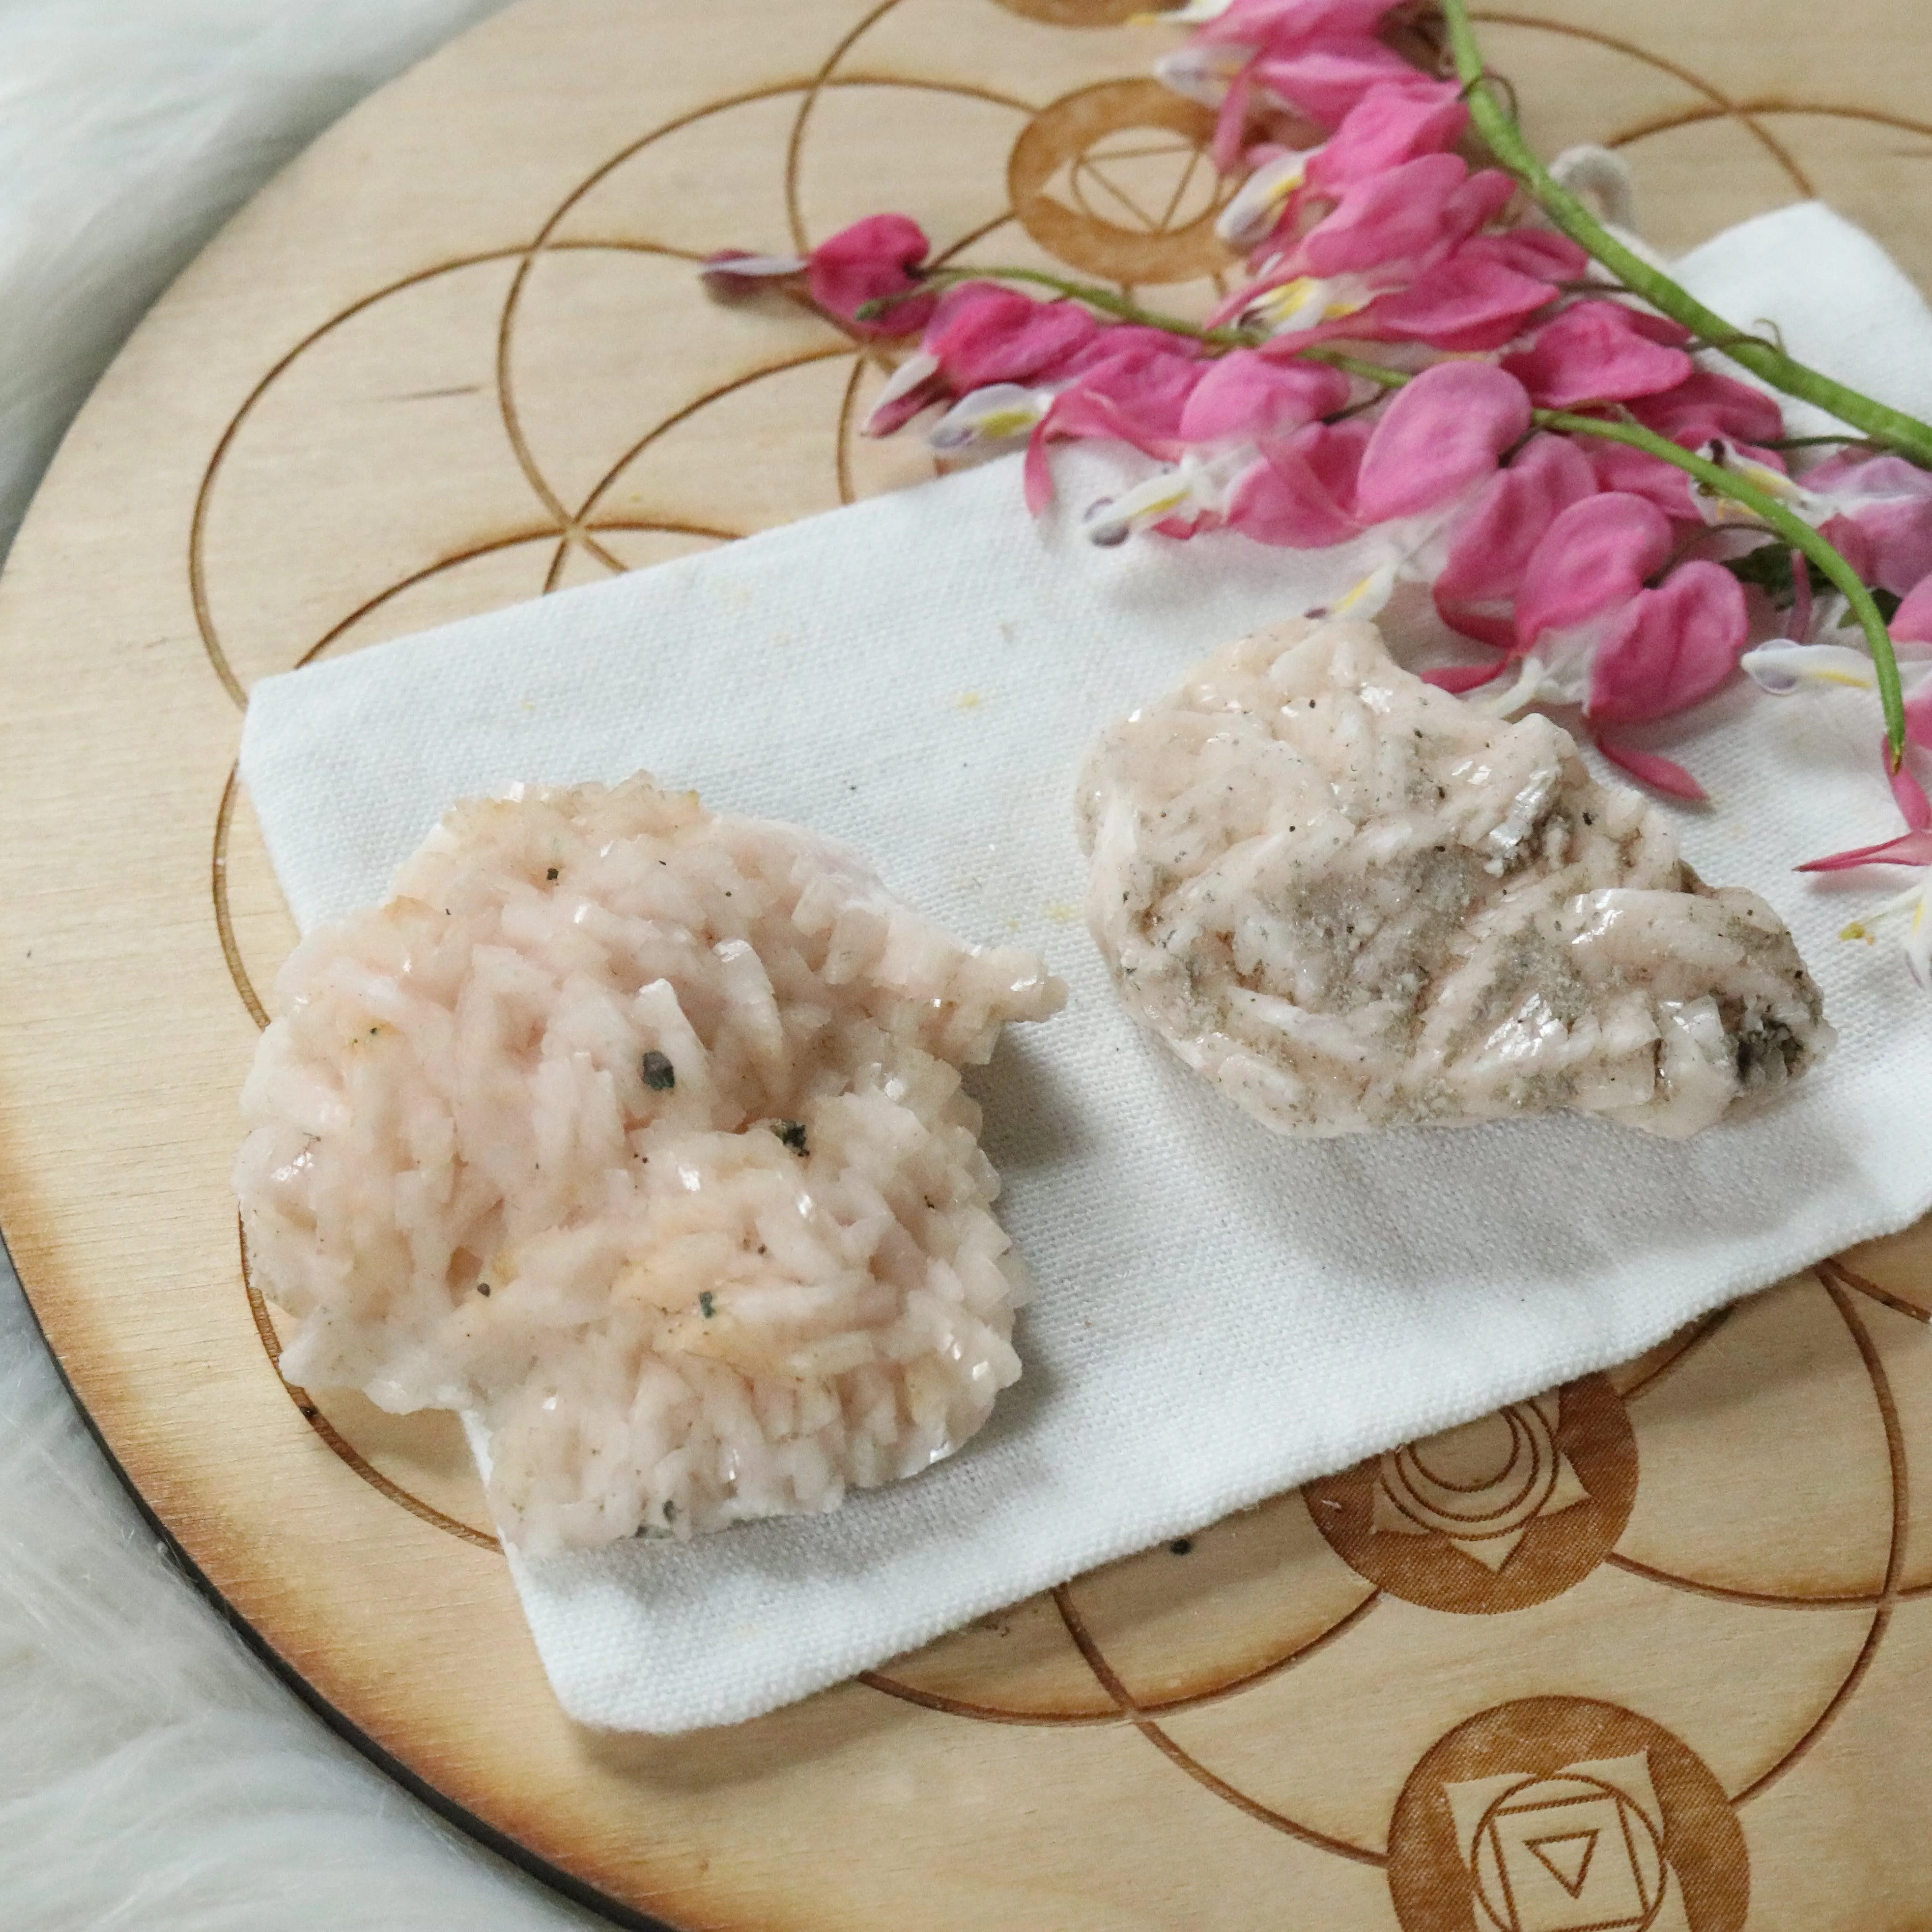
x,y
1498,127
1093,294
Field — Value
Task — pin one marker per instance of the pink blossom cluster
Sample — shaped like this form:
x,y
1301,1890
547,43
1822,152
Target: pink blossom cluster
x,y
1381,377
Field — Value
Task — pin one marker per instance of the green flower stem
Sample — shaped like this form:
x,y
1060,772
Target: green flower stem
x,y
1499,128
1093,294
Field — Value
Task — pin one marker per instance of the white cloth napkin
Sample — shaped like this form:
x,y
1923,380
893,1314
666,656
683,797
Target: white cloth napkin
x,y
1222,1314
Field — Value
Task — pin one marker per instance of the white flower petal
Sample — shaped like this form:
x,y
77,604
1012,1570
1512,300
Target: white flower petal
x,y
917,368
1781,667
1256,205
995,414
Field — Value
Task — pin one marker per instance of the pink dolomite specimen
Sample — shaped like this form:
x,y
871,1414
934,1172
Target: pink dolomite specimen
x,y
637,1132
1352,901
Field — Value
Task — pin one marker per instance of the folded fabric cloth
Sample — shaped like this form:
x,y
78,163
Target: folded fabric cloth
x,y
1222,1314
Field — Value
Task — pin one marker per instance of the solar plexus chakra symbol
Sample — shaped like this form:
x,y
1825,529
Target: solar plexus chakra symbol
x,y
1561,1814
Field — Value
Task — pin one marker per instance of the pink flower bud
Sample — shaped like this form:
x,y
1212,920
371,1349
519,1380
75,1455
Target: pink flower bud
x,y
869,261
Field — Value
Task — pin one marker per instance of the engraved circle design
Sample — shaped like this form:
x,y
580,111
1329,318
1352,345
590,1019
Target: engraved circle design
x,y
1563,1814
1503,1513
1081,13
1141,193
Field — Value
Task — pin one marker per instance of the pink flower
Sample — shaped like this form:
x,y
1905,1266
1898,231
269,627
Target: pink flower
x,y
1301,495
1244,397
1290,190
1321,82
1589,632
1600,352
981,333
1539,252
1469,303
1490,546
1882,516
1388,230
1441,436
1134,393
1391,123
1403,220
1237,409
1705,405
1290,23
869,261
1590,564
1704,408
1670,648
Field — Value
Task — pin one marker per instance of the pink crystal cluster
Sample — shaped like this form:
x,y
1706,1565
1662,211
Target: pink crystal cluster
x,y
1588,574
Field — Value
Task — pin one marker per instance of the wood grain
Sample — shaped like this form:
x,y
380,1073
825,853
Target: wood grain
x,y
457,356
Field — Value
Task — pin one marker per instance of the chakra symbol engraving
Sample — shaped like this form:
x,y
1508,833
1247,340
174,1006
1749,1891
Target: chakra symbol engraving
x,y
1481,1486
1503,1513
1116,180
1584,1848
1561,1814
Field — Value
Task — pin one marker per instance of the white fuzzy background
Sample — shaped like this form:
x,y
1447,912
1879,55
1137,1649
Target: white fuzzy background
x,y
153,1775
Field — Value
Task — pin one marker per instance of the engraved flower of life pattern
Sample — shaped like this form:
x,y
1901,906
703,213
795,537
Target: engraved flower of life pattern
x,y
583,409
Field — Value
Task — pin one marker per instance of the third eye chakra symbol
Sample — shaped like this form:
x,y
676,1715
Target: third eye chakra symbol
x,y
1481,1486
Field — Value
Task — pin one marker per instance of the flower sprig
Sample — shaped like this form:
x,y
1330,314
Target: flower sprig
x,y
1505,397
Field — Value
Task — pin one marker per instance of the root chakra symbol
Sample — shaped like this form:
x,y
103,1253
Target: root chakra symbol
x,y
1116,181
1584,1848
1561,1814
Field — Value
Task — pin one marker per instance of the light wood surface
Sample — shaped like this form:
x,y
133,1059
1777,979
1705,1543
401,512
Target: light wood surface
x,y
457,356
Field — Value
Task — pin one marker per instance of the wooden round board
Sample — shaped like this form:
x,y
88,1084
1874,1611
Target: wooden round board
x,y
458,355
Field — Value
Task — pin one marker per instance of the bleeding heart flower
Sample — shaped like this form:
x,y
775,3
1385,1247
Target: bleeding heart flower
x,y
1323,82
1706,405
1441,436
1135,395
1670,648
1490,545
1300,495
1283,23
982,334
1590,563
1290,190
873,260
1880,515
1245,397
